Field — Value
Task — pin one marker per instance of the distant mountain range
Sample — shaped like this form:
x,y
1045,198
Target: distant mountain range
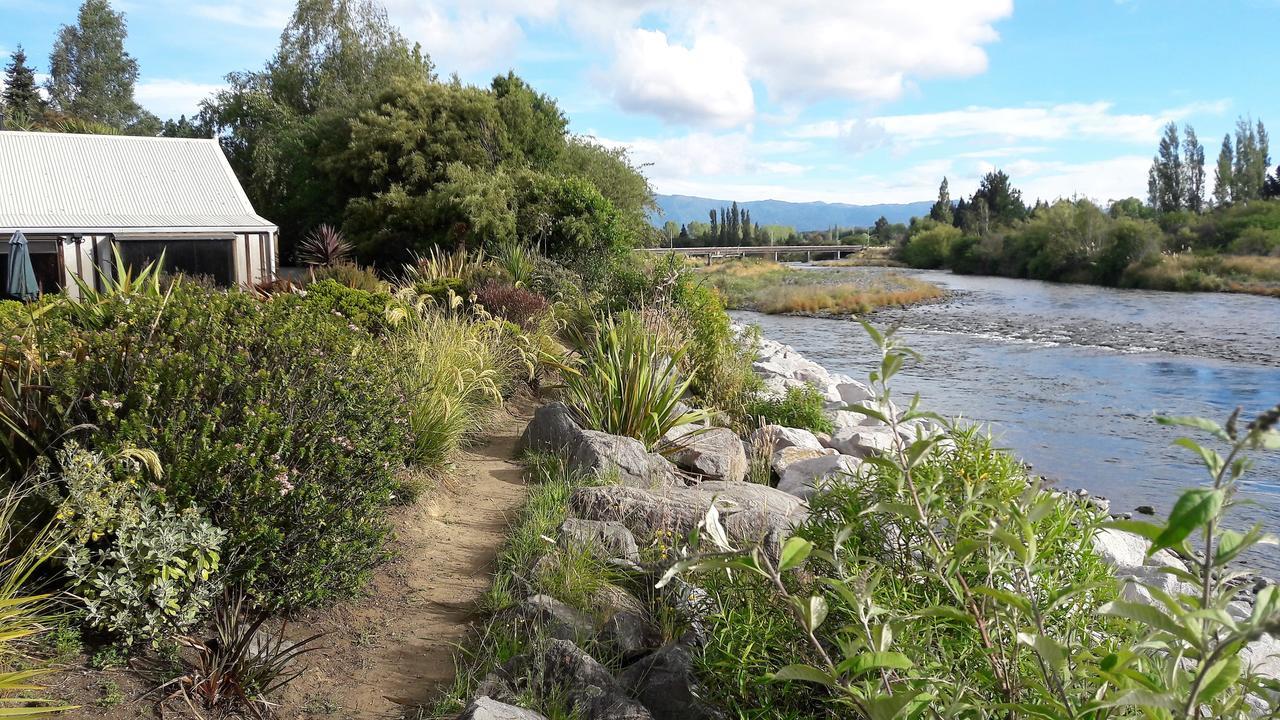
x,y
684,209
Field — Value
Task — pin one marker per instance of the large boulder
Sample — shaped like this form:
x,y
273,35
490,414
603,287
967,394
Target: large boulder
x,y
777,437
853,392
486,708
611,538
564,672
545,614
1127,554
806,477
861,441
665,684
749,512
715,453
629,634
551,429
787,456
598,453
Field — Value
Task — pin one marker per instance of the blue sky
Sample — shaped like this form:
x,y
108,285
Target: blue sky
x,y
859,101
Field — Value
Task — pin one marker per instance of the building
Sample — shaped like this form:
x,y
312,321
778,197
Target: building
x,y
79,198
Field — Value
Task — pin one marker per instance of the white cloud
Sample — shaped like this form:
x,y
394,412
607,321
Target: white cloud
x,y
262,14
1095,121
171,98
703,84
1101,180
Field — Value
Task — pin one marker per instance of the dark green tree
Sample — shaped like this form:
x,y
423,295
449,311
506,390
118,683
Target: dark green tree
x,y
941,210
536,126
20,92
715,229
92,77
185,127
882,231
747,238
998,200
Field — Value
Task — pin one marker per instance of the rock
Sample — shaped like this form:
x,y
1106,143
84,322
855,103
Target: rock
x,y
599,453
1145,510
1263,655
805,477
853,392
485,708
1127,553
777,437
614,539
844,419
862,441
554,618
776,387
694,605
552,429
715,453
564,672
495,687
665,684
749,512
628,634
785,457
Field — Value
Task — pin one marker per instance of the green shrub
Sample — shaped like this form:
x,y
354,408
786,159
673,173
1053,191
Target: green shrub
x,y
718,360
278,420
930,245
1256,241
365,308
352,276
801,407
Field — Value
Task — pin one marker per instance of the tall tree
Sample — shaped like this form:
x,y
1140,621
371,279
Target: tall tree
x,y
746,227
941,210
1243,185
1166,177
1223,180
715,229
91,77
1271,189
735,221
1193,170
20,93
882,231
1003,201
1261,160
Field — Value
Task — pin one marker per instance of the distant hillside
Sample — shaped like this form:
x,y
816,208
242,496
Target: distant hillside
x,y
802,216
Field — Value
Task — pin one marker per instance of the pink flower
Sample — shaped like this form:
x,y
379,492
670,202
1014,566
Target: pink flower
x,y
286,487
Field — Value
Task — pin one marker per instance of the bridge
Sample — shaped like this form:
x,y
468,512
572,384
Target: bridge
x,y
741,251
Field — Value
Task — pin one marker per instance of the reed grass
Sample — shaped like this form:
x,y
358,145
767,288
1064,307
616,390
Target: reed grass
x,y
1251,274
775,288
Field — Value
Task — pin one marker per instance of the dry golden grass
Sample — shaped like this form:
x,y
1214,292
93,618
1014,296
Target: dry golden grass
x,y
1253,274
843,298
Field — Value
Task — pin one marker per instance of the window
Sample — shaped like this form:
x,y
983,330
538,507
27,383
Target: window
x,y
212,258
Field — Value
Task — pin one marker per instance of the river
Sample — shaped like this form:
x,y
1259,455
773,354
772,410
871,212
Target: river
x,y
1069,377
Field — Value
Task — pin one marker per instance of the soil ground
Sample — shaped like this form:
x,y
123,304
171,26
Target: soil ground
x,y
386,654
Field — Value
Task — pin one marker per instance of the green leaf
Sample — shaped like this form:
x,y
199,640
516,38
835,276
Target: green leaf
x,y
866,662
1211,459
814,611
803,673
1148,615
1221,676
1049,650
1192,510
898,705
1148,530
1197,423
947,612
794,553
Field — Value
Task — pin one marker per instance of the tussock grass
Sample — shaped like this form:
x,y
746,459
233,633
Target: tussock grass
x,y
1252,274
842,299
777,288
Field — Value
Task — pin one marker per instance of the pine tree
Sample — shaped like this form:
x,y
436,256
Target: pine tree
x,y
20,93
941,210
1193,170
1222,176
91,77
1165,179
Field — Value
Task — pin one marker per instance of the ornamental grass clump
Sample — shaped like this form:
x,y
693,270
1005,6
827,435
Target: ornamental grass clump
x,y
627,381
941,581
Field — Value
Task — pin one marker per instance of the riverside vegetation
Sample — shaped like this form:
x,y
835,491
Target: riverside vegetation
x,y
772,287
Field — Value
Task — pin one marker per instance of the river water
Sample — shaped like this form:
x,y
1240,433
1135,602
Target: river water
x,y
1069,377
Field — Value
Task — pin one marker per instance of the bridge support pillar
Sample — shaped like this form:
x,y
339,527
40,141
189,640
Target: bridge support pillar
x,y
708,259
808,256
775,256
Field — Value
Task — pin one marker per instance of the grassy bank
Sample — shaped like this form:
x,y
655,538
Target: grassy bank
x,y
776,288
1252,274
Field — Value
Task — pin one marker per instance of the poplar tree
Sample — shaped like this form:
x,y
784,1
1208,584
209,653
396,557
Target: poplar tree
x,y
1165,179
1222,176
1242,186
91,77
714,236
1193,170
20,93
941,210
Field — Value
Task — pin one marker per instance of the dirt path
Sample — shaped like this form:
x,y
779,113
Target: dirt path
x,y
387,652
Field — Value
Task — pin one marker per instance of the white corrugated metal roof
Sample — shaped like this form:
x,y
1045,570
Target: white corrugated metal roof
x,y
61,182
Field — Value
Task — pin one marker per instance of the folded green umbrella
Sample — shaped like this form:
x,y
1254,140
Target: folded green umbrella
x,y
22,277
